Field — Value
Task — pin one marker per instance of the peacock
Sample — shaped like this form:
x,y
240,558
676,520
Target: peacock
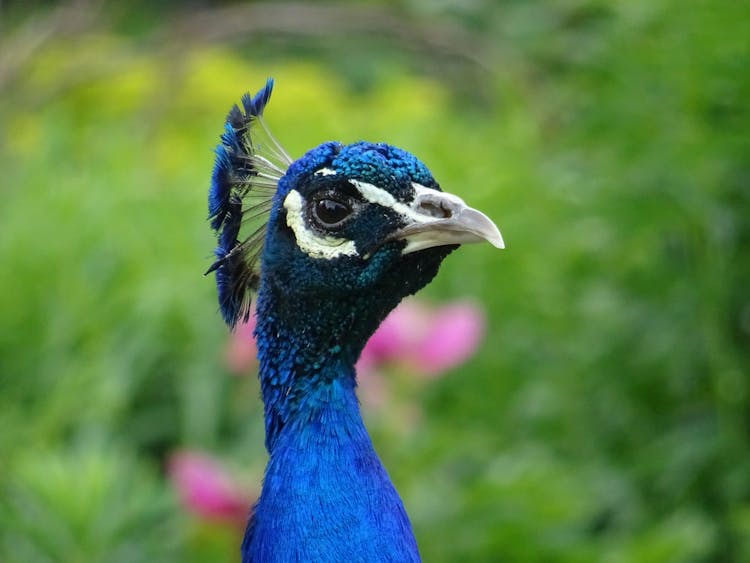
x,y
326,246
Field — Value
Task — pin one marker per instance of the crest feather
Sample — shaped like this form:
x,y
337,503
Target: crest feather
x,y
249,163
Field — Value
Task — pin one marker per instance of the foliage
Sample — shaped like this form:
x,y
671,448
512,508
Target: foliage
x,y
605,418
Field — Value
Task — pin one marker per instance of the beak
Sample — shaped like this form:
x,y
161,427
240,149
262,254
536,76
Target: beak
x,y
439,219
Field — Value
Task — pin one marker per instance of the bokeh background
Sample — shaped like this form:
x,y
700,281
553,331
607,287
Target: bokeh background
x,y
605,416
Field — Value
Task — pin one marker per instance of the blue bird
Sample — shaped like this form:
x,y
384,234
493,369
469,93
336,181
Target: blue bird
x,y
327,245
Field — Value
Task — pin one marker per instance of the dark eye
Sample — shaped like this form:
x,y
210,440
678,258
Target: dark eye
x,y
331,212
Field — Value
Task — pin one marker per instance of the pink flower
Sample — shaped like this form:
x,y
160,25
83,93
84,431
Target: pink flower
x,y
453,336
241,352
427,341
206,489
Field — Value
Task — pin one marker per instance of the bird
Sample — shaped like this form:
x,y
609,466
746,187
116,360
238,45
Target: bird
x,y
325,246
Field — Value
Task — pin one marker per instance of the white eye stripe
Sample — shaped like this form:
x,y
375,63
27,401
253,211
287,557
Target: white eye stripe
x,y
310,242
377,195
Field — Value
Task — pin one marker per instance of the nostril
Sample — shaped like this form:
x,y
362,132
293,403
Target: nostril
x,y
434,209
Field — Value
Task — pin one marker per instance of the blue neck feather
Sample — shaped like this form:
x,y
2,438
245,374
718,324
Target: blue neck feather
x,y
326,496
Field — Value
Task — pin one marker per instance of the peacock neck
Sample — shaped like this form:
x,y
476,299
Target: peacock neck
x,y
326,495
307,348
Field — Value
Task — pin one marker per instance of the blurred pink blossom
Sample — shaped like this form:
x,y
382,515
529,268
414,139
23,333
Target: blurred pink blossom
x,y
428,341
454,334
206,489
240,355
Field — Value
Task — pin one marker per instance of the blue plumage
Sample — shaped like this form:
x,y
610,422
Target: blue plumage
x,y
330,243
240,174
231,156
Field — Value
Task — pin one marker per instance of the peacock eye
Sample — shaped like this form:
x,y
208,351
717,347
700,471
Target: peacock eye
x,y
331,212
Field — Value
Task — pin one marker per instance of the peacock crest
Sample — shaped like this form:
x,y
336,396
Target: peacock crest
x,y
249,164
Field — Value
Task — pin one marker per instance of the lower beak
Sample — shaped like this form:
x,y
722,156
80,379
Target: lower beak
x,y
440,219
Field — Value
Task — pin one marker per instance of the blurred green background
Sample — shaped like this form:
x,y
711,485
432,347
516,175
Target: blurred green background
x,y
607,416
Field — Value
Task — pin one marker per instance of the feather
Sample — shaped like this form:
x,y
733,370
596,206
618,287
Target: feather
x,y
249,164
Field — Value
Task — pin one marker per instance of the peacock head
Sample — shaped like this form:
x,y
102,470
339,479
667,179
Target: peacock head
x,y
343,220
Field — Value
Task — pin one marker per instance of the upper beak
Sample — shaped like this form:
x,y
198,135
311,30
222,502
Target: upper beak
x,y
439,219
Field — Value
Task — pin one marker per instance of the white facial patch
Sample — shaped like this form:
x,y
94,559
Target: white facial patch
x,y
310,242
430,217
377,195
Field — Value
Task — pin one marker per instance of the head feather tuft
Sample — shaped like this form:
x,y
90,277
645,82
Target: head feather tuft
x,y
249,163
